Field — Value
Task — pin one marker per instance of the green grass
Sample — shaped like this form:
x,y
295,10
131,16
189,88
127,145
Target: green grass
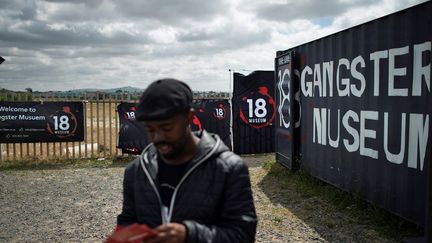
x,y
310,189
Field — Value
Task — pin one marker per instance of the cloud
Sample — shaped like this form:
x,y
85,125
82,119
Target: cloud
x,y
172,12
306,9
44,34
66,44
366,13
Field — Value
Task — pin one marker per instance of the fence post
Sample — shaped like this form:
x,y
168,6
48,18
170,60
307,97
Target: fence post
x,y
116,126
85,124
110,121
103,125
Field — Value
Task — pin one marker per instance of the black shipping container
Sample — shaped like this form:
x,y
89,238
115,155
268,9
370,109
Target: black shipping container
x,y
364,104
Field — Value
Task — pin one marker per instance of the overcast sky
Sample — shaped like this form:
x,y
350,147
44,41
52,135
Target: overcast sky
x,y
74,44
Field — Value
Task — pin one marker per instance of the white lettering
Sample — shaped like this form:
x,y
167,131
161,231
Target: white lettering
x,y
344,81
420,71
317,80
284,82
393,71
394,158
376,56
354,133
334,143
13,109
31,118
367,133
297,99
306,88
418,137
319,120
358,75
328,78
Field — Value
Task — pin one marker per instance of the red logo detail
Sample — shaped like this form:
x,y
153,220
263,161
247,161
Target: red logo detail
x,y
197,123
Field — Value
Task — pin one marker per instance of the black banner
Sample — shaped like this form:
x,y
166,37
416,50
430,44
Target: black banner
x,y
366,110
133,137
254,110
211,115
25,122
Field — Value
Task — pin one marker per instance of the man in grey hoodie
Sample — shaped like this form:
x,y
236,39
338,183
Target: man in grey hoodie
x,y
186,185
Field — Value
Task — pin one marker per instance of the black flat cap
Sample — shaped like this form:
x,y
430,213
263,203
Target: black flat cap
x,y
163,99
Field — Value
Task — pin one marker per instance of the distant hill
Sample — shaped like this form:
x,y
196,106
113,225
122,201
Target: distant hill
x,y
126,89
135,92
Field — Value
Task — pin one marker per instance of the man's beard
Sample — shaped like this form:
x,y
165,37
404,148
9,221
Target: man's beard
x,y
176,149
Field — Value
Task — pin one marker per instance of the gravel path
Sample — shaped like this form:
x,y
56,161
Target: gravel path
x,y
81,205
72,205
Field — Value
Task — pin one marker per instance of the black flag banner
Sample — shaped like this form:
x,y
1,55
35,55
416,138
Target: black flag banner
x,y
211,115
254,110
132,135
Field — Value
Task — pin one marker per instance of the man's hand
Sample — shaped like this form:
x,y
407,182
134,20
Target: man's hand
x,y
169,233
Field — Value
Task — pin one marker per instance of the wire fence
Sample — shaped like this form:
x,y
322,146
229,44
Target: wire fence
x,y
101,126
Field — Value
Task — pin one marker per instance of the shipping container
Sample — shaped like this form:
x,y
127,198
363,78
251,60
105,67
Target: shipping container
x,y
355,107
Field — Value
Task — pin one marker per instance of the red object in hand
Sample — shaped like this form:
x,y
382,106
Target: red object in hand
x,y
132,233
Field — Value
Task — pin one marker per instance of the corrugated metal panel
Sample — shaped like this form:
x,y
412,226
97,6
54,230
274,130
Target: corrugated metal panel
x,y
254,111
286,151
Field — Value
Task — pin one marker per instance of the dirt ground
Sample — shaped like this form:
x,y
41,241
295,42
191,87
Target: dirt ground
x,y
81,205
